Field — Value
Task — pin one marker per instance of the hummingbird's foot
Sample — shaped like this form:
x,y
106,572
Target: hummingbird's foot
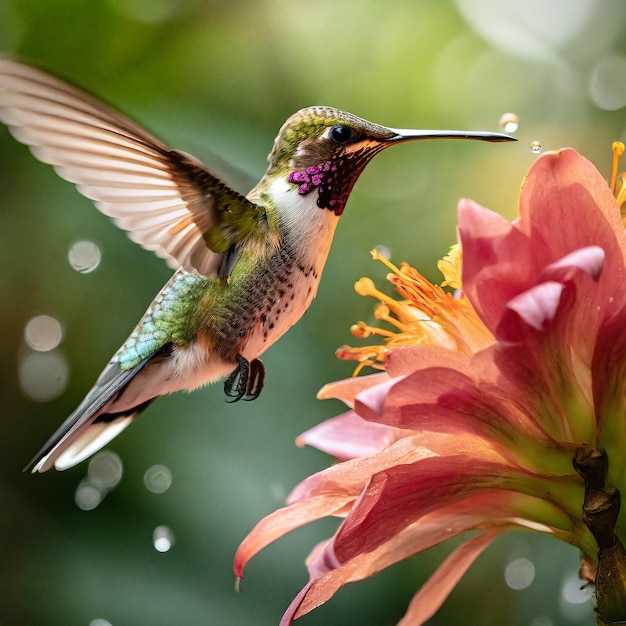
x,y
246,381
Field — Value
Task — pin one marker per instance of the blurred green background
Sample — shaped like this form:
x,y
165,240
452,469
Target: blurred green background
x,y
218,79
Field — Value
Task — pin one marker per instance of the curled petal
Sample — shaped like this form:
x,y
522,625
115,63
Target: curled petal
x,y
589,260
498,260
349,436
536,306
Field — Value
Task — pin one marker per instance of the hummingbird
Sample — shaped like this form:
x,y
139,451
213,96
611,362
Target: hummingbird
x,y
247,267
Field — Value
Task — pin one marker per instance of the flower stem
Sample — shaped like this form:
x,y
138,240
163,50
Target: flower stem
x,y
600,512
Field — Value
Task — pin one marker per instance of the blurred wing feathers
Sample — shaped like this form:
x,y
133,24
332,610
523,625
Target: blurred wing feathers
x,y
166,200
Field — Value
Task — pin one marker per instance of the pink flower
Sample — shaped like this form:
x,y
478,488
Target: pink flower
x,y
485,399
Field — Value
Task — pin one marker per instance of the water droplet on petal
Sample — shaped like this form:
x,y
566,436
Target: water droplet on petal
x,y
163,538
157,478
509,122
84,256
43,333
536,147
519,574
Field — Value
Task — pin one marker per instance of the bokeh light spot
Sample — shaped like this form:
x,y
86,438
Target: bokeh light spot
x,y
607,86
43,376
157,478
573,596
519,574
87,496
84,256
384,251
105,470
163,538
509,122
43,333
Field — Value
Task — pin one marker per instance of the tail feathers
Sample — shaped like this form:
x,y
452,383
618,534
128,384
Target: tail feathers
x,y
112,404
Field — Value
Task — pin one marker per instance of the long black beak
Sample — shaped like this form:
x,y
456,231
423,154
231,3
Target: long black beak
x,y
407,134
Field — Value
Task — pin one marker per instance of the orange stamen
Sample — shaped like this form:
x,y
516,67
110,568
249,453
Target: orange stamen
x,y
618,150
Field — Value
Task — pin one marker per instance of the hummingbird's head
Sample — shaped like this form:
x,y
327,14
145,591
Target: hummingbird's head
x,y
323,150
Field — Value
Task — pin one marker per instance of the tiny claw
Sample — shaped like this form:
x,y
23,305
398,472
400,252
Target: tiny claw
x,y
256,379
236,384
246,380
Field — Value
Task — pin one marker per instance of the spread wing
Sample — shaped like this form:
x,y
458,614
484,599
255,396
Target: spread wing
x,y
166,200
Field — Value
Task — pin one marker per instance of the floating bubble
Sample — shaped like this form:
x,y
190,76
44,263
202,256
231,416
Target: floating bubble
x,y
536,147
84,256
509,122
105,470
100,622
163,538
157,478
43,333
519,574
43,376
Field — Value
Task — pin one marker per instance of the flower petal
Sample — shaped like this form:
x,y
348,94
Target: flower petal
x,y
282,521
472,399
349,436
431,596
536,306
395,498
589,259
345,390
493,509
498,260
565,206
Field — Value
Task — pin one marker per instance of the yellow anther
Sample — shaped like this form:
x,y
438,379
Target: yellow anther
x,y
426,314
618,150
360,330
378,257
365,287
382,312
451,266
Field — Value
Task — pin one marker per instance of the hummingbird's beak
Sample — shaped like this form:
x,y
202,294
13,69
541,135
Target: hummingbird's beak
x,y
406,134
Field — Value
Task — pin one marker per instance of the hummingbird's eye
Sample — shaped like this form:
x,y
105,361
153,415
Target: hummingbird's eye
x,y
342,134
